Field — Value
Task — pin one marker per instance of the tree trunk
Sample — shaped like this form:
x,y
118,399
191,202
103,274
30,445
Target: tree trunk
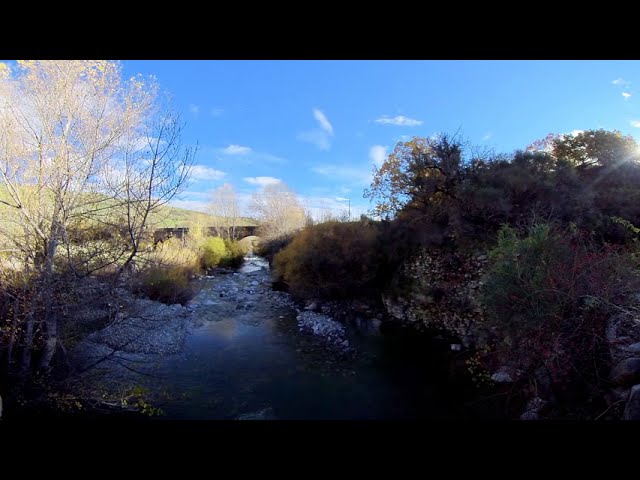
x,y
51,343
13,325
25,364
50,320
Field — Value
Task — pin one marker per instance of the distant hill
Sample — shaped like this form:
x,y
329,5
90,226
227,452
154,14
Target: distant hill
x,y
165,216
172,217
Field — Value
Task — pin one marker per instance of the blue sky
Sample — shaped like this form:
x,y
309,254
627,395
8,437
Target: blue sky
x,y
319,126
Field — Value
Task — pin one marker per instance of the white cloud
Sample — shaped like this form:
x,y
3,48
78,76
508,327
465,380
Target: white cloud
x,y
626,95
236,150
341,199
621,81
217,111
575,133
194,109
487,136
378,154
202,172
323,121
262,181
399,120
635,123
320,137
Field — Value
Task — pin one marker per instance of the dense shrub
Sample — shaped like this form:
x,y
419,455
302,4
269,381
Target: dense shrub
x,y
332,260
268,248
547,294
165,272
212,250
234,254
173,252
167,284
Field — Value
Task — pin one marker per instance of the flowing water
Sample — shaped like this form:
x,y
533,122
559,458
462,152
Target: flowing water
x,y
242,355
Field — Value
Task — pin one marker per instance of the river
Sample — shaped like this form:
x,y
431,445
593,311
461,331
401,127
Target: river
x,y
241,354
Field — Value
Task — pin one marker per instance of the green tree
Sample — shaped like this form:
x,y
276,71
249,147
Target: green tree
x,y
595,148
419,172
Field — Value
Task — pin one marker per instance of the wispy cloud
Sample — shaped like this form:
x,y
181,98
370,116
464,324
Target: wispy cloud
x,y
144,142
261,181
323,121
202,172
378,154
399,120
358,176
321,207
236,150
402,138
320,137
217,111
194,109
626,95
487,136
268,157
621,81
239,154
635,123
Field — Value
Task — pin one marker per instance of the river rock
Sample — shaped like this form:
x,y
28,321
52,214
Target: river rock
x,y
264,414
634,348
312,305
627,372
503,375
533,409
632,409
325,327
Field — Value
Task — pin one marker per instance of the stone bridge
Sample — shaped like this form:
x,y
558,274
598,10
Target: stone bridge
x,y
179,232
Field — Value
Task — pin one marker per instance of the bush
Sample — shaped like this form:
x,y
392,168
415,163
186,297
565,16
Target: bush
x,y
167,285
547,294
212,250
332,260
269,248
167,270
173,252
234,254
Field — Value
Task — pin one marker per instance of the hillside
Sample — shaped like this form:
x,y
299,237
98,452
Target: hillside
x,y
165,217
171,217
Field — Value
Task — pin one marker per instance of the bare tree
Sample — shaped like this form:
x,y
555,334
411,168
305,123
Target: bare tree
x,y
225,210
278,209
81,149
